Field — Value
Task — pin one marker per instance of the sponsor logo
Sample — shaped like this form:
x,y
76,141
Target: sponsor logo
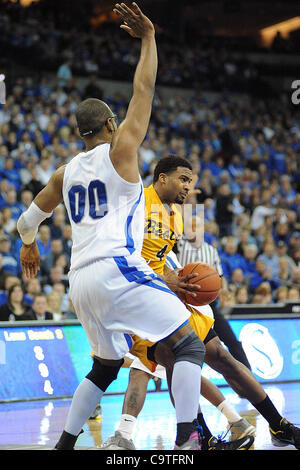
x,y
261,350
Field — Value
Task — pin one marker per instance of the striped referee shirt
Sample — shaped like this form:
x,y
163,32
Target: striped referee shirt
x,y
188,253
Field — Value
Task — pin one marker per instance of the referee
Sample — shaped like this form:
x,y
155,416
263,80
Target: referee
x,y
193,249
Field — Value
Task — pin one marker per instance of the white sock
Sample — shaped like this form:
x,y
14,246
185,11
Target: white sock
x,y
185,386
85,400
228,411
127,426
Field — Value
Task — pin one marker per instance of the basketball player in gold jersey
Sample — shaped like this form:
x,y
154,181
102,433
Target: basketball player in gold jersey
x,y
163,226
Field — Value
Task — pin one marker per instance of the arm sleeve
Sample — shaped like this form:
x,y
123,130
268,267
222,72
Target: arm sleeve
x,y
29,222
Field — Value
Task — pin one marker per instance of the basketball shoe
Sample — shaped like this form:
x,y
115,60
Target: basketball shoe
x,y
287,434
118,442
240,428
239,444
193,443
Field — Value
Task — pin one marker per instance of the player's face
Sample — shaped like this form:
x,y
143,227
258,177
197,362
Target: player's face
x,y
179,184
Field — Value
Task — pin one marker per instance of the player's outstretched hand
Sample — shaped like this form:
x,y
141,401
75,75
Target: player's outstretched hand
x,y
30,259
181,285
135,22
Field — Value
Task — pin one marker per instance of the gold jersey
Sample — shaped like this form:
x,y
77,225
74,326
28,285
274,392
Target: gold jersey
x,y
163,228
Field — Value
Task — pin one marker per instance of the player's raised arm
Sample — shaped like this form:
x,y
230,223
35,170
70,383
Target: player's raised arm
x,y
132,130
28,223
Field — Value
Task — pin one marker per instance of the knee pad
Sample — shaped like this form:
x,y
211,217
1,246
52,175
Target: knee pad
x,y
190,348
102,376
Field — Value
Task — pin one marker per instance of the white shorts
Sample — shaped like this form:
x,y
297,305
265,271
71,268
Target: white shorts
x,y
116,297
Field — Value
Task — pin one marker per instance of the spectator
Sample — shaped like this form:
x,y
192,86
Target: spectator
x,y
9,262
60,289
294,242
262,274
11,174
224,210
63,261
12,203
15,308
44,240
45,168
56,275
64,73
33,287
249,253
270,257
237,279
282,294
295,280
34,185
281,235
8,281
49,259
264,290
262,210
284,274
294,294
26,200
230,259
40,307
282,252
8,223
67,240
257,300
227,299
241,295
59,221
54,305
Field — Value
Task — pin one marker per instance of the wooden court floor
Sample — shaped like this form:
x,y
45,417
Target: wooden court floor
x,y
38,424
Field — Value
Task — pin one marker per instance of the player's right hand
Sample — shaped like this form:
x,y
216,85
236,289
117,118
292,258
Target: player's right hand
x,y
181,285
135,22
30,259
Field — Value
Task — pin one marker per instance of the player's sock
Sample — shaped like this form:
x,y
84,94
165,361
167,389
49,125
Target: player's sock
x,y
127,426
269,412
228,411
85,400
206,434
186,381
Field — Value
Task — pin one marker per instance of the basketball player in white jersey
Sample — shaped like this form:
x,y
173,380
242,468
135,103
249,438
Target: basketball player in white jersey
x,y
112,288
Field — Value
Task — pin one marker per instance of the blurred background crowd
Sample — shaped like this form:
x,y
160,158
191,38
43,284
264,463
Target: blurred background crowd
x,y
243,141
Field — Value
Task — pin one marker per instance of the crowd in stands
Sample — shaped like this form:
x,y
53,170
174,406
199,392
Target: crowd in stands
x,y
245,155
75,47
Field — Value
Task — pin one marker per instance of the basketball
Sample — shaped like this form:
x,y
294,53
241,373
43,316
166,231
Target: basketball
x,y
207,278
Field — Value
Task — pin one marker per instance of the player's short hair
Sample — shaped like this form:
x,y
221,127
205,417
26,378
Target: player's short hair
x,y
169,164
91,115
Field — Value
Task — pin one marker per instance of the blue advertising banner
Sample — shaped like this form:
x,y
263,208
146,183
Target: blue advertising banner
x,y
50,361
272,347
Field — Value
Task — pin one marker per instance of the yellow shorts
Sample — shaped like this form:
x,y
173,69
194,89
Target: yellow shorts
x,y
200,323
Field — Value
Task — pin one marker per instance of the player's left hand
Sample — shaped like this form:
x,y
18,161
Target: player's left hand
x,y
181,285
30,259
135,22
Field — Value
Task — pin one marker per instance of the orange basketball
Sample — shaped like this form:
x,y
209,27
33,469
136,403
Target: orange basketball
x,y
207,278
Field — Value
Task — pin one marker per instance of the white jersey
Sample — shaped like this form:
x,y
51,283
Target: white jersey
x,y
105,211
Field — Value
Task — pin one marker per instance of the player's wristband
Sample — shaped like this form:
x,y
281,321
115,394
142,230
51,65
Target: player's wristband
x,y
29,222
